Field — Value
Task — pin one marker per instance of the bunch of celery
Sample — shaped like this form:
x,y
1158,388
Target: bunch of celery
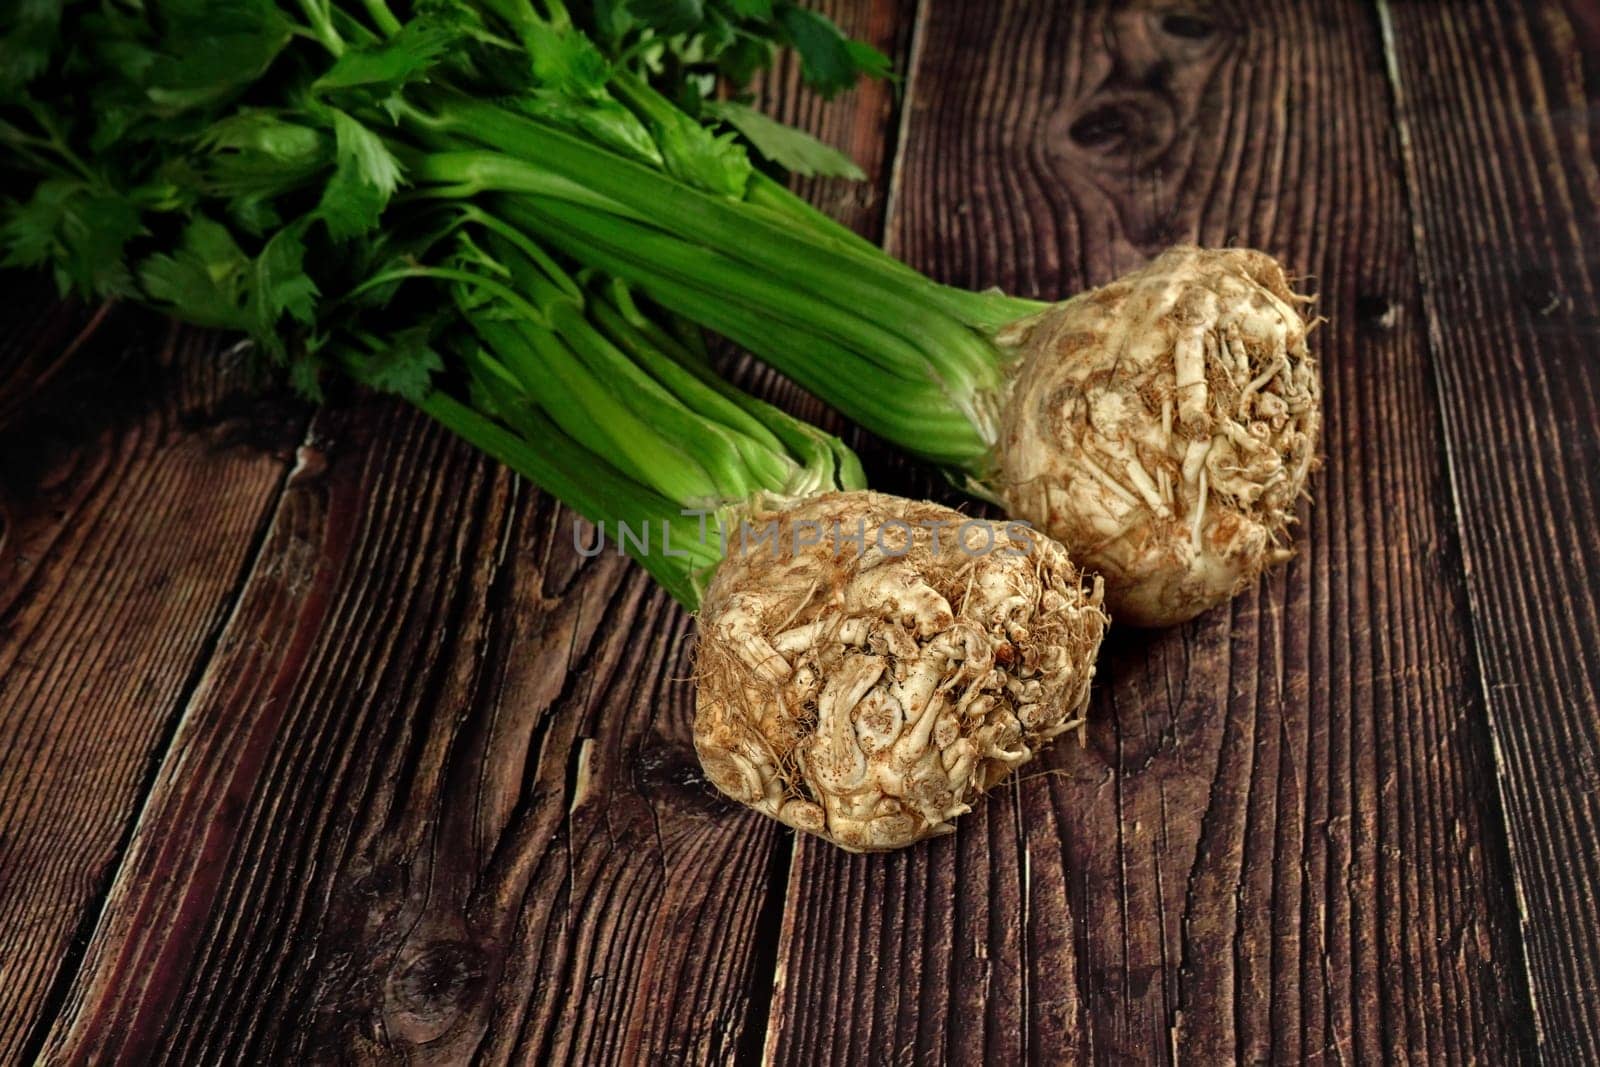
x,y
375,190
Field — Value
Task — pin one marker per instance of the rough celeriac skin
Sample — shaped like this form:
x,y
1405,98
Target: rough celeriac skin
x,y
1162,429
870,698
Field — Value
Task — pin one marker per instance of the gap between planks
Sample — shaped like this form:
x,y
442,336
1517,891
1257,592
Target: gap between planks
x,y
55,1004
1391,66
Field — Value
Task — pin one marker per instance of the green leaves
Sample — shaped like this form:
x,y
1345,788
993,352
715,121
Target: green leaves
x,y
751,9
365,176
402,363
209,280
281,284
830,61
79,229
668,16
603,120
255,157
716,163
27,37
210,52
205,280
410,54
265,133
187,150
735,39
565,62
570,89
793,150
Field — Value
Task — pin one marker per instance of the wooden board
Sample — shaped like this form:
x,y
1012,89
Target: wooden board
x,y
417,802
1496,110
133,492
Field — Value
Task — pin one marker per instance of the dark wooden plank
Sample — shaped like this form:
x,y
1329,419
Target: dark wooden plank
x,y
435,797
1283,840
132,494
35,347
1498,106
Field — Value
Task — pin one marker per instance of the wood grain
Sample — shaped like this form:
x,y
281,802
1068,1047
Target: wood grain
x,y
1497,110
35,347
434,797
132,495
1283,840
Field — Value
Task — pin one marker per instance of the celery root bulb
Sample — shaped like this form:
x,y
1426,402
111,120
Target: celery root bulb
x,y
868,694
1162,428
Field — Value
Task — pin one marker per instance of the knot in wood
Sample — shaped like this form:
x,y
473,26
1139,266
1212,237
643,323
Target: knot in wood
x,y
433,985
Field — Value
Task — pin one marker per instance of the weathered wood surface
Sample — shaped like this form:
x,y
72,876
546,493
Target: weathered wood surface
x,y
1497,107
429,792
319,742
131,499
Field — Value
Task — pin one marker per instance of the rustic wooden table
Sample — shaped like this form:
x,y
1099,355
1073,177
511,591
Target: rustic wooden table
x,y
318,741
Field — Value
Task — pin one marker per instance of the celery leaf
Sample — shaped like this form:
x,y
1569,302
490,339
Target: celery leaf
x,y
409,54
364,178
793,150
830,61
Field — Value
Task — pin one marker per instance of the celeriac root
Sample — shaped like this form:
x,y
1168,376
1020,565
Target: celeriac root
x,y
1162,428
869,696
